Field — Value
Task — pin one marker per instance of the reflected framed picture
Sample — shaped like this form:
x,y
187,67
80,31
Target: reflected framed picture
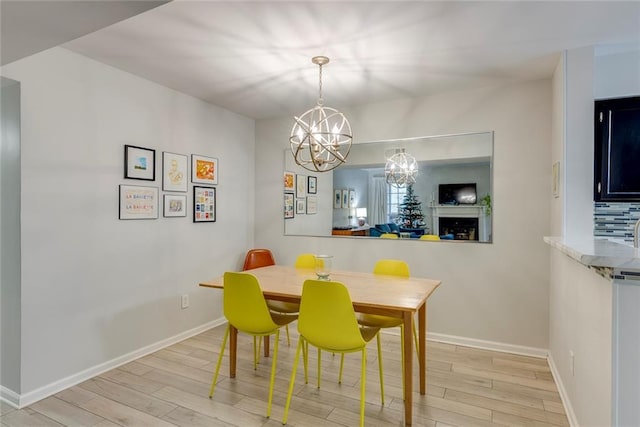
x,y
139,163
301,206
337,199
175,205
289,181
288,205
312,185
138,202
174,172
204,170
204,204
345,199
312,205
301,185
352,198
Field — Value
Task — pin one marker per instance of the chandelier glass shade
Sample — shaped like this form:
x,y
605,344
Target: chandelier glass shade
x,y
401,169
321,137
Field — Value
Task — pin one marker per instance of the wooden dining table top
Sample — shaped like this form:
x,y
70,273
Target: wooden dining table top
x,y
368,291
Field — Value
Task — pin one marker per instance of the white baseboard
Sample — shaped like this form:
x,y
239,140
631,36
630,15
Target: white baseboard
x,y
489,345
568,409
20,401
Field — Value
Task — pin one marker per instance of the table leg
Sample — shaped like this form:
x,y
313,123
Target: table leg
x,y
233,351
407,341
422,343
266,346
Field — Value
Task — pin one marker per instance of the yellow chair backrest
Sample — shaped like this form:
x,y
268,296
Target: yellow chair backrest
x,y
429,237
244,304
327,319
391,267
306,261
388,236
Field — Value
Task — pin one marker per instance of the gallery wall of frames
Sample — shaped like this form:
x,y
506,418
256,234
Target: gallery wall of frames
x,y
141,201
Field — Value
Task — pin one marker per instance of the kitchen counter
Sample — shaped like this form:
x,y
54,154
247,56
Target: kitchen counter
x,y
598,252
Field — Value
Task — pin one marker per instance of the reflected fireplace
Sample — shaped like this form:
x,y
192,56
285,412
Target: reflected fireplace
x,y
461,228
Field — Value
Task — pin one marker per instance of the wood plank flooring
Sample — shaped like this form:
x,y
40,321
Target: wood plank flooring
x,y
465,387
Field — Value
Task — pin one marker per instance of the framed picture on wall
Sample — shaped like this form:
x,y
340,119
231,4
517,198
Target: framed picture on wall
x,y
138,202
312,205
289,181
174,172
337,199
312,185
301,185
204,204
204,170
288,205
139,163
345,199
301,206
175,205
352,198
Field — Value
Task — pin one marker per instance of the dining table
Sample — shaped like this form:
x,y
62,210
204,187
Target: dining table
x,y
400,297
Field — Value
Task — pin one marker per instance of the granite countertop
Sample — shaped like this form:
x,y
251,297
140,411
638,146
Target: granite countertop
x,y
598,252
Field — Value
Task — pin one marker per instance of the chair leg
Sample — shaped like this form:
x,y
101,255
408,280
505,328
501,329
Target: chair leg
x,y
319,366
341,366
286,328
402,353
305,357
215,375
362,385
273,373
380,367
292,380
256,351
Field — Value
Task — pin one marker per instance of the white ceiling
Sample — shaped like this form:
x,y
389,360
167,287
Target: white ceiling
x,y
254,58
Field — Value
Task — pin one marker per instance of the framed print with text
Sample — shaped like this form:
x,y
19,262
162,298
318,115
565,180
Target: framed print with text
x,y
204,170
312,205
175,205
301,206
139,163
138,202
288,205
204,204
301,185
174,172
312,185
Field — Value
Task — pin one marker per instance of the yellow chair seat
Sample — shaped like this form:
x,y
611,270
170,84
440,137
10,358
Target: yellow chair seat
x,y
378,321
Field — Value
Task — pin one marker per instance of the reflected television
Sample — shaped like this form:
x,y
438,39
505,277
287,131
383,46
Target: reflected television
x,y
457,194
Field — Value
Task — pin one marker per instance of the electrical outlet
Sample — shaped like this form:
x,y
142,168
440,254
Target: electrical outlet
x,y
185,301
572,363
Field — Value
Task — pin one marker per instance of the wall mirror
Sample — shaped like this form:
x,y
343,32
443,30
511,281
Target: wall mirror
x,y
451,197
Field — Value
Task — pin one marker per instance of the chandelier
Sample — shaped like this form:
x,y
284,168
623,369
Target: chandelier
x,y
401,169
321,137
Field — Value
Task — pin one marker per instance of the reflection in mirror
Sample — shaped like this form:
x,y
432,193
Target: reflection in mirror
x,y
450,200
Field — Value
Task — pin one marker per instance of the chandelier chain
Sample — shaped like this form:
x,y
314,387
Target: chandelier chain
x,y
320,100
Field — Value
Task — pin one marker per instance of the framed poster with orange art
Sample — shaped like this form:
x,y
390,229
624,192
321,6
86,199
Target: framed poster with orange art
x,y
204,170
289,181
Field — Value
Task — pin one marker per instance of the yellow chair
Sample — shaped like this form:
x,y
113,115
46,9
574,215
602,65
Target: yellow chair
x,y
327,321
303,261
389,267
429,237
388,236
246,309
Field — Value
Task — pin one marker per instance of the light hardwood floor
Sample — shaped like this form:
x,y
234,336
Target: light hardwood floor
x,y
465,387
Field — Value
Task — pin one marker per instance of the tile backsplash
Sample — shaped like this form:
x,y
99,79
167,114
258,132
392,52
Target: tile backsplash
x,y
615,219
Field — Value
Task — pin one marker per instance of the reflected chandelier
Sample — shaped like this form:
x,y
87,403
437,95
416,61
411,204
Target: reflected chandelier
x,y
401,169
321,137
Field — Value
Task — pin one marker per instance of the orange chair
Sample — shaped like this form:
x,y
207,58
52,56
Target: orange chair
x,y
257,258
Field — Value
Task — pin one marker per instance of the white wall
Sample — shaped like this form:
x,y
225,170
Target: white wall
x,y
494,292
580,315
95,288
10,232
616,74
